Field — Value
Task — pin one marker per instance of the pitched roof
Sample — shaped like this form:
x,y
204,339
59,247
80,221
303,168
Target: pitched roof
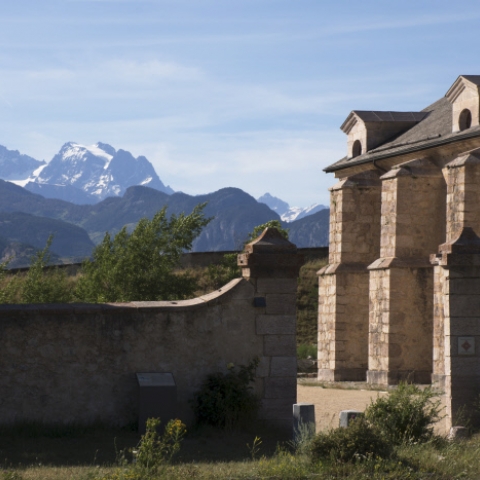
x,y
378,116
434,129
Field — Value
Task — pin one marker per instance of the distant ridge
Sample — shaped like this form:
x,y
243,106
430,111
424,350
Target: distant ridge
x,y
235,214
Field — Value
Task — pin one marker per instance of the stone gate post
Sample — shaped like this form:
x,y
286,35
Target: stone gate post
x,y
343,283
271,264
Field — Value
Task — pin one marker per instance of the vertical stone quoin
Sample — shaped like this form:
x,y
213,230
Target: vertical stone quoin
x,y
271,264
343,283
401,280
457,326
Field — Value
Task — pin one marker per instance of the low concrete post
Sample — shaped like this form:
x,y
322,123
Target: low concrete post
x,y
271,264
348,416
303,420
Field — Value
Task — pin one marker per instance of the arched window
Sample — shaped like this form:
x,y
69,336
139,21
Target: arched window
x,y
357,148
465,119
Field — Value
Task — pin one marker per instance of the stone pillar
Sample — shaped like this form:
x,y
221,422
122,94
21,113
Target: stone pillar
x,y
457,326
343,283
401,280
463,193
457,284
271,263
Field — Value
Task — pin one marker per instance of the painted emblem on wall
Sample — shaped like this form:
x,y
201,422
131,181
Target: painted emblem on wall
x,y
466,345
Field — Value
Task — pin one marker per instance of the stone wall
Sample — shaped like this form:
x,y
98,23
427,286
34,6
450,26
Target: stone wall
x,y
77,363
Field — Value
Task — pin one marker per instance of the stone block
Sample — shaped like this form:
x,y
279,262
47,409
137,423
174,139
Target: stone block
x,y
279,345
281,304
263,369
281,387
464,305
275,324
283,366
276,285
277,408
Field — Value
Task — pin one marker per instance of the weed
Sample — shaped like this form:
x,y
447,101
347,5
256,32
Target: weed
x,y
255,448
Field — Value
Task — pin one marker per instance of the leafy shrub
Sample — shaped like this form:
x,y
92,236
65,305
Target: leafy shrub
x,y
6,293
41,286
306,350
358,441
227,400
407,415
258,230
223,272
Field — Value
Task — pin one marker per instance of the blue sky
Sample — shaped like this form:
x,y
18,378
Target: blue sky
x,y
243,93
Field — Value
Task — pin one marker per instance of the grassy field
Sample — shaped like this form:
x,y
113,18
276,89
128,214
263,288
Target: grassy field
x,y
96,453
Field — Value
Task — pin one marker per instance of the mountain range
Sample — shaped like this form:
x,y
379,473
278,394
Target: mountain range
x,y
102,189
87,174
286,212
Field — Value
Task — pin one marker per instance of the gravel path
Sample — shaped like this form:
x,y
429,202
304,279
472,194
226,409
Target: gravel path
x,y
329,402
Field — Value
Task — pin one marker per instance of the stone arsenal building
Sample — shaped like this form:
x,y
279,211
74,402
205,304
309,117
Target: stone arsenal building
x,y
400,297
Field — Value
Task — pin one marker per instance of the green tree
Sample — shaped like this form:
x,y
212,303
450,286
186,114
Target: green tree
x,y
41,286
139,266
258,230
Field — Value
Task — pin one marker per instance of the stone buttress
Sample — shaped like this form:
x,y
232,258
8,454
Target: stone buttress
x,y
401,280
456,336
343,283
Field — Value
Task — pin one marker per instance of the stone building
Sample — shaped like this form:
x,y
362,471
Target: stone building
x,y
400,297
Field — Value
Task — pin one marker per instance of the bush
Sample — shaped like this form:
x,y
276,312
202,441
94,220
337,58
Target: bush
x,y
258,230
227,400
358,441
41,286
407,415
223,272
305,350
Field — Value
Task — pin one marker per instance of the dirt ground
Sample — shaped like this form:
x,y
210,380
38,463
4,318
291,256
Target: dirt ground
x,y
329,402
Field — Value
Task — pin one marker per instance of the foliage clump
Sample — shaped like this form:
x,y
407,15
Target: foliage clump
x,y
360,440
258,230
155,450
406,415
41,286
227,400
139,266
220,274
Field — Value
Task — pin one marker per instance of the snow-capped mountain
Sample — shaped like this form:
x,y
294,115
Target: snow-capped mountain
x,y
98,171
286,212
14,165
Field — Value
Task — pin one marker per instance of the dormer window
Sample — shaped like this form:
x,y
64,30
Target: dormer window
x,y
357,148
465,99
465,119
367,130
